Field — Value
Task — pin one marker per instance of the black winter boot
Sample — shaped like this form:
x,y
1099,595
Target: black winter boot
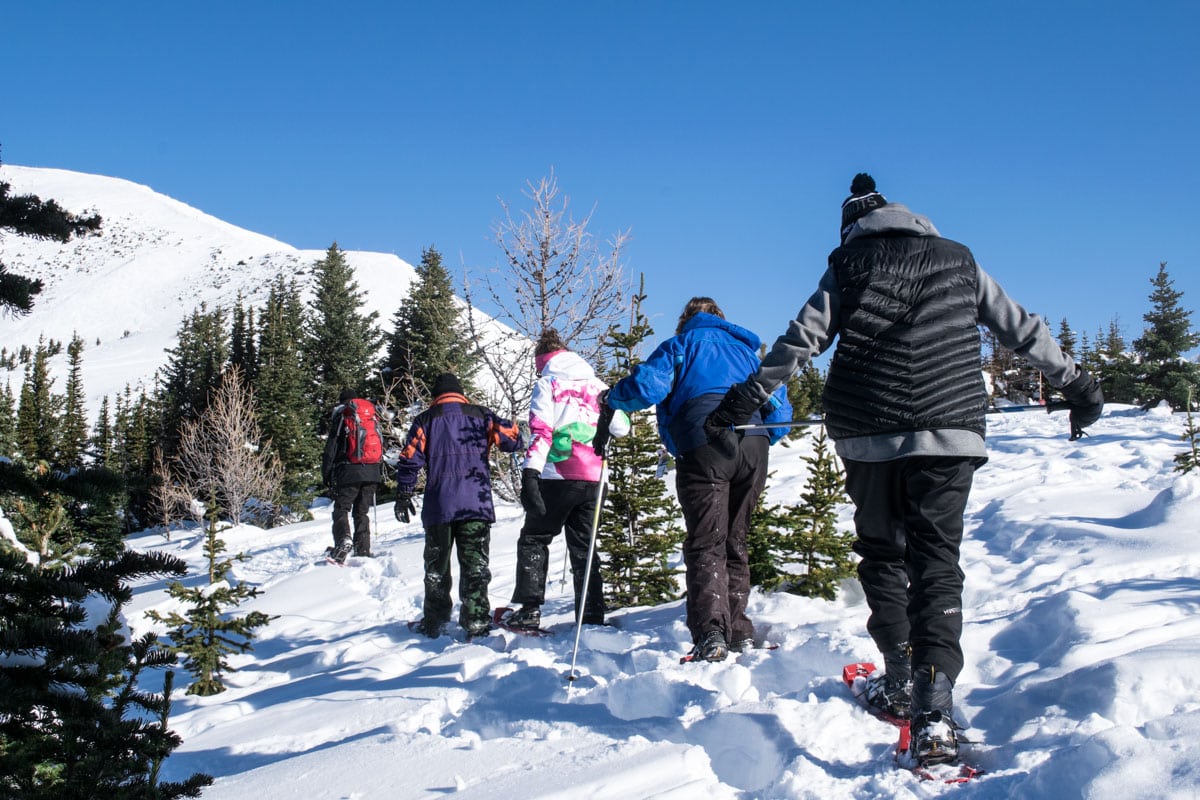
x,y
890,693
934,732
339,552
527,617
711,647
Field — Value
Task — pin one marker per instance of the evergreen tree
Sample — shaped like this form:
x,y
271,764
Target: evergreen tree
x,y
242,351
1066,338
38,415
29,215
1118,371
207,633
770,523
63,516
342,341
823,550
96,508
102,439
1189,459
35,501
804,395
804,537
193,370
136,428
74,723
73,439
8,422
1167,337
639,525
284,411
429,335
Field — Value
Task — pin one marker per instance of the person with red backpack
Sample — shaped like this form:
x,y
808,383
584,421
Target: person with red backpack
x,y
352,469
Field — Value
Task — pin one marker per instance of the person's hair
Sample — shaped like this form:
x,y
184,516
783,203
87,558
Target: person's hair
x,y
695,306
549,342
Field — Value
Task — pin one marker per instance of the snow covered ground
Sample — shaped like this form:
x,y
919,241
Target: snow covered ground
x,y
1082,637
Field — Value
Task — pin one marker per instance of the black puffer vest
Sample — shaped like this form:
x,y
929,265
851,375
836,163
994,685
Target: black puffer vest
x,y
907,357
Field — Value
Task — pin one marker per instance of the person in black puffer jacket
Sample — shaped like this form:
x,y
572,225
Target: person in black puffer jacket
x,y
904,402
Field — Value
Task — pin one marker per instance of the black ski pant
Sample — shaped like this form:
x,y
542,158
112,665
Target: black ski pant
x,y
353,500
571,508
718,495
471,540
908,514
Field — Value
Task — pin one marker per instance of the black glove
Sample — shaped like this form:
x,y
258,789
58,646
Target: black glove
x,y
404,508
531,492
1086,401
736,408
600,441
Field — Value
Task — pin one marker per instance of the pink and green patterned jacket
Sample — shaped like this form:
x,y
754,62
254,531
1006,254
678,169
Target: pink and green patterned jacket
x,y
562,419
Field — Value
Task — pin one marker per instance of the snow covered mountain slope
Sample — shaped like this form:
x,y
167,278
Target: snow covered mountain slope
x,y
126,290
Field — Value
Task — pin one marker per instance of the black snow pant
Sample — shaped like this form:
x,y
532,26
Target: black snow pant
x,y
718,494
571,508
353,499
908,514
471,539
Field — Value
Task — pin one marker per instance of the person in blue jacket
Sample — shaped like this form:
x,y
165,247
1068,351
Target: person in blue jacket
x,y
718,478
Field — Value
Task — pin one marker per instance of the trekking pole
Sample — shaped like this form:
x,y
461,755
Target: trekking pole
x,y
587,570
798,423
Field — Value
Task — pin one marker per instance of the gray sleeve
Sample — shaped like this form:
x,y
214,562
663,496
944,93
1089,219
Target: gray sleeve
x,y
808,335
1023,333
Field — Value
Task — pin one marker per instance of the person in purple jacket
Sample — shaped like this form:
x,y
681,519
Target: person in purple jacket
x,y
451,440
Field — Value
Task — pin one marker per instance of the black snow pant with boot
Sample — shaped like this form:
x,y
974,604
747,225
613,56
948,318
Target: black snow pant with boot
x,y
908,514
353,500
571,508
718,494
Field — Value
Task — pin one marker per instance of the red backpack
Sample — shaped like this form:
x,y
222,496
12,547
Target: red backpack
x,y
364,443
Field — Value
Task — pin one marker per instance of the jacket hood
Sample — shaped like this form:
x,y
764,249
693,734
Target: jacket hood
x,y
566,365
892,218
706,320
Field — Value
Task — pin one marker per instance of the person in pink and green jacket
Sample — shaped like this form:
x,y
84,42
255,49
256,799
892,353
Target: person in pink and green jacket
x,y
560,480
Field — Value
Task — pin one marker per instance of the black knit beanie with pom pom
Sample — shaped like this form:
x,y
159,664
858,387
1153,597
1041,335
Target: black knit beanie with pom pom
x,y
863,198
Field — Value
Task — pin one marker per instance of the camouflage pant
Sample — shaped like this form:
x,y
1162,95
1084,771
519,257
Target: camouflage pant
x,y
471,539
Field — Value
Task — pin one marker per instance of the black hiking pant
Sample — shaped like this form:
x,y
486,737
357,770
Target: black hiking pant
x,y
908,514
718,494
353,500
471,540
571,508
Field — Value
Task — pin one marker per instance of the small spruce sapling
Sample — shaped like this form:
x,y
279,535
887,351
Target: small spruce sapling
x,y
1189,459
207,633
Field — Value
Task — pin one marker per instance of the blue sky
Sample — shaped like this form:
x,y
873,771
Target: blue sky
x,y
1056,139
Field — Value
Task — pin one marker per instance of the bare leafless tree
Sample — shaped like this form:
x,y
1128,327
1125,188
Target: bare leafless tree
x,y
221,454
170,501
553,273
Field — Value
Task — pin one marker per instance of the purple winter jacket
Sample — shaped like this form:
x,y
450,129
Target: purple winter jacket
x,y
451,440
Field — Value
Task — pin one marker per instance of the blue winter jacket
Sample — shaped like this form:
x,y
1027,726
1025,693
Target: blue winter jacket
x,y
688,374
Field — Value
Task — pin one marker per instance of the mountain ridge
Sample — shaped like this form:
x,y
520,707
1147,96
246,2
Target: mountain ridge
x,y
154,261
